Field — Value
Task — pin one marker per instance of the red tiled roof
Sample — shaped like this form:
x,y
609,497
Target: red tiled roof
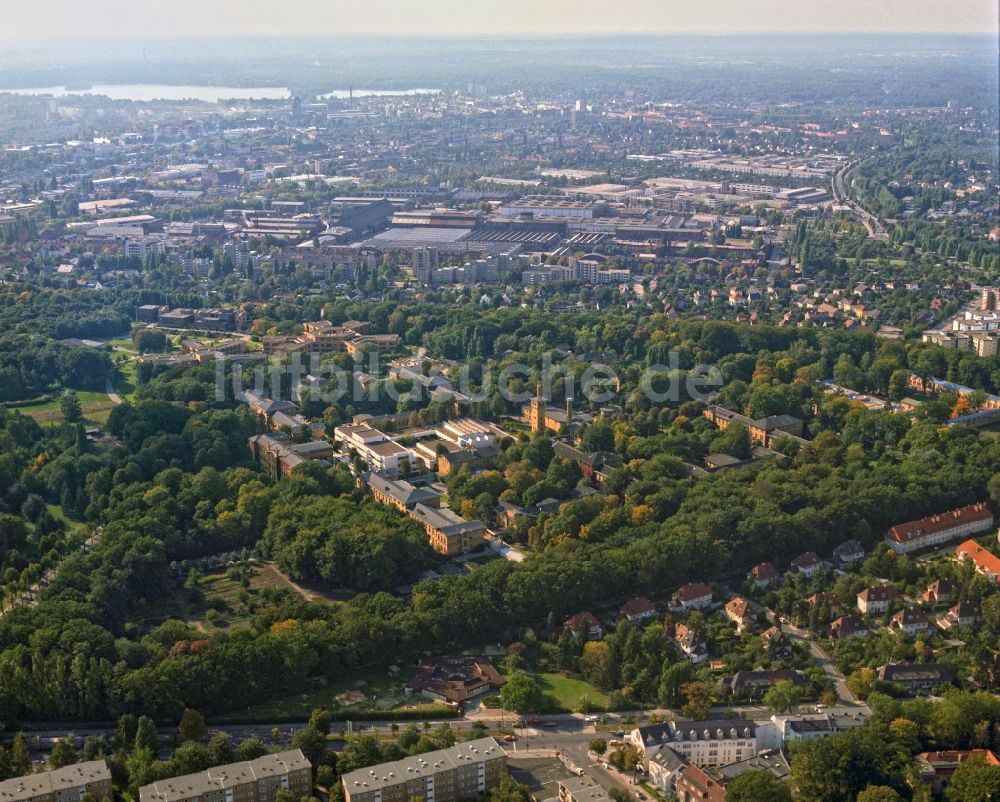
x,y
902,533
764,571
581,621
693,590
953,757
738,607
638,606
985,561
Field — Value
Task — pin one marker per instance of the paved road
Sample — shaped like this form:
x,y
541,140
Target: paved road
x,y
109,388
822,659
570,742
819,655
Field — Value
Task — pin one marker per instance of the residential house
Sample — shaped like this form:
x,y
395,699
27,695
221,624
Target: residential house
x,y
692,596
848,626
764,575
917,677
937,529
638,609
754,684
941,590
911,620
584,624
808,564
849,552
738,609
963,614
777,644
692,644
824,597
986,563
877,599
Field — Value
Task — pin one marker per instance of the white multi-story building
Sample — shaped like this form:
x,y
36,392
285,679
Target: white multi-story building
x,y
140,249
664,766
379,452
783,729
707,743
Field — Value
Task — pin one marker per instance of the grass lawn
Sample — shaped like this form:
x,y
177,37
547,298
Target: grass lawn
x,y
125,386
71,526
96,406
121,342
572,693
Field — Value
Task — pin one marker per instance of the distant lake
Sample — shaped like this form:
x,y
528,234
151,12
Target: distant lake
x,y
345,93
149,92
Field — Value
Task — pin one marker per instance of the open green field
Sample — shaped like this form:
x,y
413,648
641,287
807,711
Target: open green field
x,y
125,386
96,407
572,693
121,342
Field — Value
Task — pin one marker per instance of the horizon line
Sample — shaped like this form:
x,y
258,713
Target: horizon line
x,y
640,33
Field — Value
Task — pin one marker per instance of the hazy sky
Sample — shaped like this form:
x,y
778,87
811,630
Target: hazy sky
x,y
150,18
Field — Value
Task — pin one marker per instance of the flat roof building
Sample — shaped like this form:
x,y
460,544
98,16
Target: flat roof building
x,y
462,771
249,781
67,784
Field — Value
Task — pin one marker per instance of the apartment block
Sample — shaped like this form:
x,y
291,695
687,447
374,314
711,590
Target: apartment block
x,y
250,781
707,743
581,789
67,784
462,771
